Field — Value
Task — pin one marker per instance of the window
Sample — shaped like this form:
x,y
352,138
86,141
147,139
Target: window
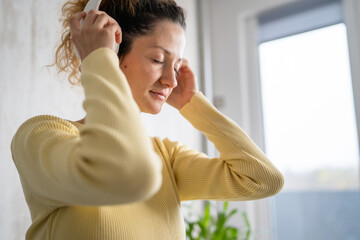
x,y
309,122
308,110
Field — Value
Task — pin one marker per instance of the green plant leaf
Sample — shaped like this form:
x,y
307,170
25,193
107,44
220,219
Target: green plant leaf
x,y
226,204
210,227
247,223
231,233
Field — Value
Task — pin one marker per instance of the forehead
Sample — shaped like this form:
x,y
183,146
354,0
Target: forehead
x,y
167,36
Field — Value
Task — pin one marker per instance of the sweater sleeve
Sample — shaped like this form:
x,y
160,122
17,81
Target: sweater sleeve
x,y
241,172
100,164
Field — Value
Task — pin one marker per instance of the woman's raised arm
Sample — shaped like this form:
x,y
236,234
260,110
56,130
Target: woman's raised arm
x,y
109,161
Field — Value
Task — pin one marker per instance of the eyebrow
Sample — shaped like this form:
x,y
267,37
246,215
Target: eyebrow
x,y
167,52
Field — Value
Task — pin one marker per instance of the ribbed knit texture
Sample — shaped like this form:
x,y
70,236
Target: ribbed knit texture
x,y
106,180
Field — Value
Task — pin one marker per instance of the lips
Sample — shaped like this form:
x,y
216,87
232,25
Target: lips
x,y
159,95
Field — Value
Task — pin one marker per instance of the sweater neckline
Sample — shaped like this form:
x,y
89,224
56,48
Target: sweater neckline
x,y
77,124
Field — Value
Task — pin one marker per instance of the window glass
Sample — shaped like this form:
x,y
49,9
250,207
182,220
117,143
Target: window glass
x,y
310,134
309,118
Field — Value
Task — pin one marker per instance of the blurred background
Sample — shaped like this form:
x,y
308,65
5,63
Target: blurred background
x,y
287,71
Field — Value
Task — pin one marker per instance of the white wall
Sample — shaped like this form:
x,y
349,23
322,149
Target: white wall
x,y
29,31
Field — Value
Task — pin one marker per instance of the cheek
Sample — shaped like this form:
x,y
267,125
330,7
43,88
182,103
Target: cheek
x,y
150,74
141,75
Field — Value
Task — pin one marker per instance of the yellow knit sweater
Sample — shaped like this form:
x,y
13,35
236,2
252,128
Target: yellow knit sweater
x,y
107,180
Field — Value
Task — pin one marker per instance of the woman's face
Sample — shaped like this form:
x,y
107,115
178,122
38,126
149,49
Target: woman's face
x,y
151,65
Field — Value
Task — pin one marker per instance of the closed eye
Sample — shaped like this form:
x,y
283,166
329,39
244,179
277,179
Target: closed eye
x,y
162,63
158,62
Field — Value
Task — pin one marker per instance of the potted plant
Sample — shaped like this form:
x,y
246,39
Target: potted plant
x,y
209,227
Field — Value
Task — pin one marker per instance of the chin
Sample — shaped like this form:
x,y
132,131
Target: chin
x,y
154,109
152,112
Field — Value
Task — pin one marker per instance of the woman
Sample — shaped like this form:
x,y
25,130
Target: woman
x,y
102,177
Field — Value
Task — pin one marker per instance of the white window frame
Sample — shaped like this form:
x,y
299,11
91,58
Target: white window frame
x,y
352,22
299,17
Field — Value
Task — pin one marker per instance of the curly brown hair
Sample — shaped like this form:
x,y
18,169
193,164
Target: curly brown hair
x,y
135,17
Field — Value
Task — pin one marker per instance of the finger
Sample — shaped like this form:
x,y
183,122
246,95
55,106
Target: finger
x,y
75,22
185,62
102,20
184,66
116,30
111,21
91,17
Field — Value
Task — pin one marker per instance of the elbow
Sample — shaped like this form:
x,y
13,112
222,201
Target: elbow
x,y
144,179
111,183
148,182
262,185
144,176
265,185
273,184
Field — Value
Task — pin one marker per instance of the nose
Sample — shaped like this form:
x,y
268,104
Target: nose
x,y
168,77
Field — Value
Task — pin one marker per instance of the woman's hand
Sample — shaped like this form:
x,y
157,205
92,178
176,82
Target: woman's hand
x,y
98,30
186,87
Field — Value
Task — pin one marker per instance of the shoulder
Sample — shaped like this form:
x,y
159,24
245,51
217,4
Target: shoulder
x,y
47,122
165,143
166,147
40,125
